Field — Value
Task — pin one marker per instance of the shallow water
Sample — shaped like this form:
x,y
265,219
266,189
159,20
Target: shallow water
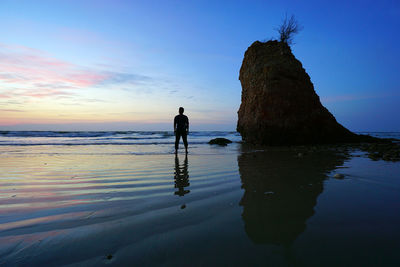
x,y
236,205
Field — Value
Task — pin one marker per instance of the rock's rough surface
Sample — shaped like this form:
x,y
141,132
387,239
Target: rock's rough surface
x,y
279,105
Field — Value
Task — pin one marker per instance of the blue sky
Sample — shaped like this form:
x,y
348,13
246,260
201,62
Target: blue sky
x,y
129,65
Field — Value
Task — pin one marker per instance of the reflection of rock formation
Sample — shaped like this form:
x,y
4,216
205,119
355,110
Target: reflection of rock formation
x,y
281,190
181,176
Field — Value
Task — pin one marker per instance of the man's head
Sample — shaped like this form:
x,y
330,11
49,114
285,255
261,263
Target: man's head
x,y
181,109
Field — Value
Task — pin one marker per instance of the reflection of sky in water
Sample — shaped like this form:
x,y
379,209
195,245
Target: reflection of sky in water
x,y
241,206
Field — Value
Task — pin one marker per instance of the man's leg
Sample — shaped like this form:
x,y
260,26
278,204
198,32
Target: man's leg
x,y
184,138
177,137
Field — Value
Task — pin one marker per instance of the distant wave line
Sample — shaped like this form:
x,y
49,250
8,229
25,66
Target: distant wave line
x,y
109,134
98,143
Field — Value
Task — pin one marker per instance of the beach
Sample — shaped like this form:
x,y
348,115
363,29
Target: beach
x,y
124,198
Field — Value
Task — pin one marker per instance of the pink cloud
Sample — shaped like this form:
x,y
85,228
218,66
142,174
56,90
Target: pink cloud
x,y
29,67
7,122
42,92
5,96
30,73
47,93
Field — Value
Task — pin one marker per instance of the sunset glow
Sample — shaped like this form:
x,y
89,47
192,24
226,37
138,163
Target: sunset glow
x,y
76,66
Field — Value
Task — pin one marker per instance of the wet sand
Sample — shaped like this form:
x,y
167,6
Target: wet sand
x,y
235,205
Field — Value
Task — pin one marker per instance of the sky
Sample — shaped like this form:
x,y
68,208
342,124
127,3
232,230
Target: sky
x,y
129,65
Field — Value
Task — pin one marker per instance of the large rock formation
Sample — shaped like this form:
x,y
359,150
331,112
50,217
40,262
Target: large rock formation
x,y
279,104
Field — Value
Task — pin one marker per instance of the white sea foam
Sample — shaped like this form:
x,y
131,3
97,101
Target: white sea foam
x,y
53,138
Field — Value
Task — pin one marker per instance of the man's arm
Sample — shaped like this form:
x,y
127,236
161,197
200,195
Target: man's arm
x,y
175,125
187,128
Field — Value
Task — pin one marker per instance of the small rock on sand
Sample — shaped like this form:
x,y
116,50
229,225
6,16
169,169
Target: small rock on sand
x,y
220,141
338,176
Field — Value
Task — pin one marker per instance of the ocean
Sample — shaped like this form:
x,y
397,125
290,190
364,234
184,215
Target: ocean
x,y
30,138
124,198
163,138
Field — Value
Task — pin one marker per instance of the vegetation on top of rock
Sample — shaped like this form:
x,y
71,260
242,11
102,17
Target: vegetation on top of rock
x,y
220,141
288,28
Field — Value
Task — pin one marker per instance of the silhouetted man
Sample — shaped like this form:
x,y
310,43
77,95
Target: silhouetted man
x,y
181,128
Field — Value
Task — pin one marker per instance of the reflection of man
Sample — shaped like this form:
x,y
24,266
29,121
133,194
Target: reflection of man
x,y
181,177
181,128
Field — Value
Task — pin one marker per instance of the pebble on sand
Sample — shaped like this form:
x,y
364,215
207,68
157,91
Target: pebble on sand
x,y
338,176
